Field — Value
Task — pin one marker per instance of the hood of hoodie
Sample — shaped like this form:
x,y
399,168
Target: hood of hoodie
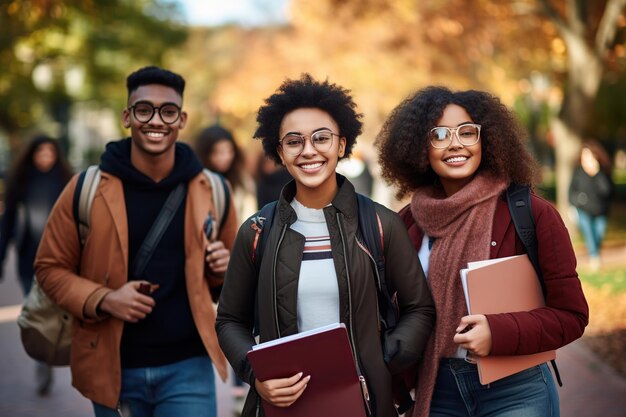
x,y
116,161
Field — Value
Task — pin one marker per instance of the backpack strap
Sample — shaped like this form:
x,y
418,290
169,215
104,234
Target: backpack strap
x,y
261,223
163,220
372,232
84,194
221,200
518,200
371,229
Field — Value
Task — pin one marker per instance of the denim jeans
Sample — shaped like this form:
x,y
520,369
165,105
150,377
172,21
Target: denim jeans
x,y
593,229
458,392
181,389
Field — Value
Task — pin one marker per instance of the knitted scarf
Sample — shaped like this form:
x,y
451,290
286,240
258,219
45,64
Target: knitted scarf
x,y
461,225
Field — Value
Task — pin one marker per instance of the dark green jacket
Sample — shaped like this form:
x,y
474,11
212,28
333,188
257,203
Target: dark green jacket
x,y
277,293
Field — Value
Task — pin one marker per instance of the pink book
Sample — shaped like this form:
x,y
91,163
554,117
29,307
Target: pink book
x,y
504,285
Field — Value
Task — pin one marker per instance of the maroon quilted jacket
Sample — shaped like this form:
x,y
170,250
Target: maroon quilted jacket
x,y
566,314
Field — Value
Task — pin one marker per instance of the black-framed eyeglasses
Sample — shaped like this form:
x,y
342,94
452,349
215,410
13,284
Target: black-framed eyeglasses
x,y
144,112
441,137
293,143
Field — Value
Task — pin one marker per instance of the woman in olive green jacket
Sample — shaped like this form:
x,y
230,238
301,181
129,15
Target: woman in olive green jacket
x,y
314,271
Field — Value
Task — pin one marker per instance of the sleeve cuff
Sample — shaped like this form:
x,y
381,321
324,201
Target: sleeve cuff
x,y
91,310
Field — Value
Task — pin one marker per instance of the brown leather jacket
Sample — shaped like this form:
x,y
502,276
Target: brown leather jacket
x,y
357,294
78,282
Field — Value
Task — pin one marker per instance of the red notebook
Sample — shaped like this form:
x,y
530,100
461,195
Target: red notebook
x,y
504,285
334,389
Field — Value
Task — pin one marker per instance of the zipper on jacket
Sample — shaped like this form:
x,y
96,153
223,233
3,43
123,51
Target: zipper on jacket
x,y
365,391
274,295
376,274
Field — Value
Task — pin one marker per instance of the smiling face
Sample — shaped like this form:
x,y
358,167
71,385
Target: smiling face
x,y
313,171
154,138
455,164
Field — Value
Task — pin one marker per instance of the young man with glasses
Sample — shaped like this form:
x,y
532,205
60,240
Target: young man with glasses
x,y
143,341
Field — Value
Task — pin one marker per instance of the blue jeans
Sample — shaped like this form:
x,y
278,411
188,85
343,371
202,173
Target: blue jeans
x,y
593,229
181,389
458,393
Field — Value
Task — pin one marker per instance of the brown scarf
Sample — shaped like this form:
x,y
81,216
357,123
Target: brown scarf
x,y
461,226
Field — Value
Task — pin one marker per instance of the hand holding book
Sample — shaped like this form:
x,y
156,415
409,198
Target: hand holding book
x,y
282,392
474,335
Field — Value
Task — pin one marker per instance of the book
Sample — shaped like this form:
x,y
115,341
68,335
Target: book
x,y
503,285
334,389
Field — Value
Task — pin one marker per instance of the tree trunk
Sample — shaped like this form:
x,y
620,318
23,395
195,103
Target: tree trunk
x,y
569,127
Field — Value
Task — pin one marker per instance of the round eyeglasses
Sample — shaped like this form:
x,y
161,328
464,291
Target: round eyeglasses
x,y
293,143
144,112
467,134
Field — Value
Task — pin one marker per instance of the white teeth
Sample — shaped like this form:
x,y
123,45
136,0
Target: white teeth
x,y
155,134
457,159
311,166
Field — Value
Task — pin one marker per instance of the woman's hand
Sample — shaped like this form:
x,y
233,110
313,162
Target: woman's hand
x,y
282,392
474,334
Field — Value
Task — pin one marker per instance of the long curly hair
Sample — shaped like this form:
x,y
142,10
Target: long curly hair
x,y
307,93
403,140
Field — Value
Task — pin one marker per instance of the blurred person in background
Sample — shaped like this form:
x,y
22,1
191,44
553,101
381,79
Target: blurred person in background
x,y
35,181
218,151
357,170
270,179
590,192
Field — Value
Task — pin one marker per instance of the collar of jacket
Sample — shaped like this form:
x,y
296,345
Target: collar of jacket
x,y
344,201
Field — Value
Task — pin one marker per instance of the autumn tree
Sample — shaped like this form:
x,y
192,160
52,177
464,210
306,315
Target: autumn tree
x,y
593,33
56,52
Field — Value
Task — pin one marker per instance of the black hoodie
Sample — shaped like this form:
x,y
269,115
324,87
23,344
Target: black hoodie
x,y
168,334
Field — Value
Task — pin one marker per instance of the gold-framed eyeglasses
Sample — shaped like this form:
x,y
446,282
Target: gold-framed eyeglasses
x,y
144,112
293,143
441,137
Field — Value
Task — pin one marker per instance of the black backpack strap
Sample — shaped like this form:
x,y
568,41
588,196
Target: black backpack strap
x,y
77,191
163,220
262,223
226,209
371,230
518,200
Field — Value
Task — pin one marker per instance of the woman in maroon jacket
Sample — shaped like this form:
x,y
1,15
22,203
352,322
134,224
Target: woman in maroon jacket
x,y
456,153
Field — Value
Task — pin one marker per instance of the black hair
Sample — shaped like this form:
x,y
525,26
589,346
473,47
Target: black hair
x,y
403,140
307,93
204,145
24,166
155,75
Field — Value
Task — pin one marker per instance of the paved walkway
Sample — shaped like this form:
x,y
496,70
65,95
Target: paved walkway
x,y
591,389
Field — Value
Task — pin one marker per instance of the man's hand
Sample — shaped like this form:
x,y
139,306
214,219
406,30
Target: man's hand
x,y
217,257
127,303
474,334
282,392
